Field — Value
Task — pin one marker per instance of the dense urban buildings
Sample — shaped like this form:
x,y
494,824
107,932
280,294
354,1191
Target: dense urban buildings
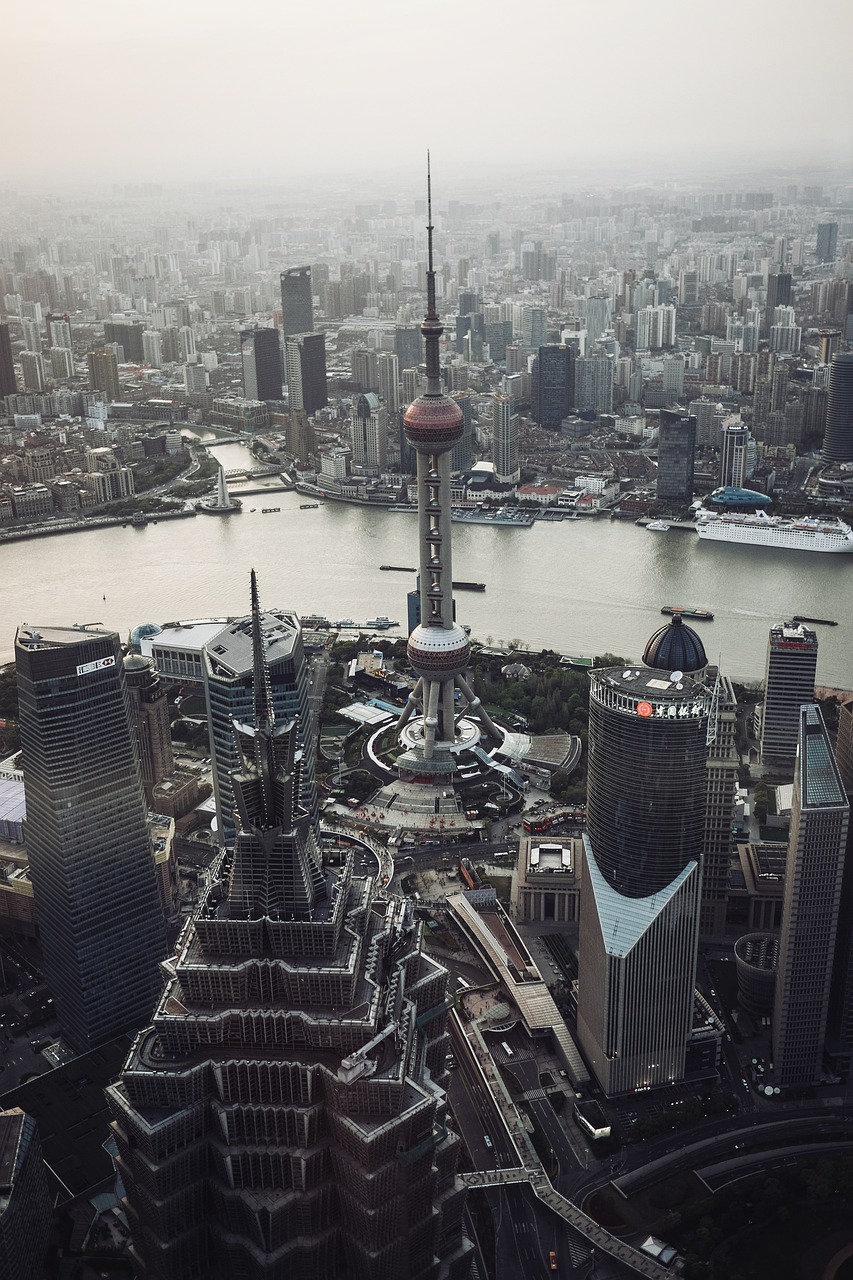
x,y
100,920
284,1114
813,881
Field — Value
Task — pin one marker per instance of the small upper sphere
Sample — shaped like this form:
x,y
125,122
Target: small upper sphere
x,y
675,647
433,424
438,653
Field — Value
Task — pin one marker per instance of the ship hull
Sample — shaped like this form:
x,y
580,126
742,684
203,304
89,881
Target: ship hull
x,y
785,537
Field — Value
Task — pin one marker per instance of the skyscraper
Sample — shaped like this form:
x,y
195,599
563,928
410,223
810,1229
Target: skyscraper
x,y
676,453
297,301
505,431
25,1203
261,354
789,681
734,452
285,1115
827,240
813,877
8,385
150,720
408,346
305,367
838,439
90,857
370,432
103,373
388,370
438,648
556,385
778,295
639,919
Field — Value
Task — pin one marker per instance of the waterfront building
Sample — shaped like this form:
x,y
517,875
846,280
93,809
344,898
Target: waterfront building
x,y
639,917
505,433
93,878
438,647
285,1115
305,369
369,433
838,438
734,453
814,873
25,1202
676,453
261,354
297,301
789,681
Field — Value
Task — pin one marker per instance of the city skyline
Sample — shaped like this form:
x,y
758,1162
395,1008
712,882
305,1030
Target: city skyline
x,y
605,55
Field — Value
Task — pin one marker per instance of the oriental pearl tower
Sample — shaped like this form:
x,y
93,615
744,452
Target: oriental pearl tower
x,y
438,648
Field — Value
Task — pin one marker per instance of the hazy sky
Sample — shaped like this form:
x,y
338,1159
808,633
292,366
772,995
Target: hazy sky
x,y
255,89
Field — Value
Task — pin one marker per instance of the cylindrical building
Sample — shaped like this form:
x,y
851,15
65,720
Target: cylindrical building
x,y
838,440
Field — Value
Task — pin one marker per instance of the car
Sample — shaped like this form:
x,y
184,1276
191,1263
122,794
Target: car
x,y
745,1083
552,1260
487,1141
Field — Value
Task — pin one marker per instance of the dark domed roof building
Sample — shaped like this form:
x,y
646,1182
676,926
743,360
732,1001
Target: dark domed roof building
x,y
675,647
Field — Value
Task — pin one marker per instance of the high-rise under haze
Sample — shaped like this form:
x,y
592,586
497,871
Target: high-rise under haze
x,y
639,919
305,369
91,866
286,1113
297,301
8,384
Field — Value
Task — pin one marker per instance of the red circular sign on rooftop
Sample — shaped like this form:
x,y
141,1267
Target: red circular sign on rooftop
x,y
645,709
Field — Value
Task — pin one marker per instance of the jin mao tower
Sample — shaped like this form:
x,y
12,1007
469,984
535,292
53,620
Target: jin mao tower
x,y
284,1116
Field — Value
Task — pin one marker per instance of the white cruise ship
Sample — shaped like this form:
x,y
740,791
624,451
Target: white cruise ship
x,y
758,529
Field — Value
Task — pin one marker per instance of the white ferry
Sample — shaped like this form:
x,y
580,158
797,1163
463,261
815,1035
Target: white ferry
x,y
758,529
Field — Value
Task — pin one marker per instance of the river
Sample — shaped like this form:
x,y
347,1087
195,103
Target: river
x,y
580,587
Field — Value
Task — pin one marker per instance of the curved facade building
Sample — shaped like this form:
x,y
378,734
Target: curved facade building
x,y
646,776
838,439
640,896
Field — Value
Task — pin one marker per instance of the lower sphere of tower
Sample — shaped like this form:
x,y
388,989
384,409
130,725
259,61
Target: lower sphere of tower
x,y
438,653
433,424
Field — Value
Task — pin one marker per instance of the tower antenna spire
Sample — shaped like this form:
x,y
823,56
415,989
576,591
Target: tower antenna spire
x,y
431,328
264,717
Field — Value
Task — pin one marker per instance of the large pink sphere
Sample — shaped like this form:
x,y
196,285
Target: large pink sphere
x,y
433,424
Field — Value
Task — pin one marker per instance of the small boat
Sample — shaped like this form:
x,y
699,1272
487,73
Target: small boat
x,y
381,623
268,511
397,568
697,615
308,506
345,623
657,526
821,622
469,586
252,508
